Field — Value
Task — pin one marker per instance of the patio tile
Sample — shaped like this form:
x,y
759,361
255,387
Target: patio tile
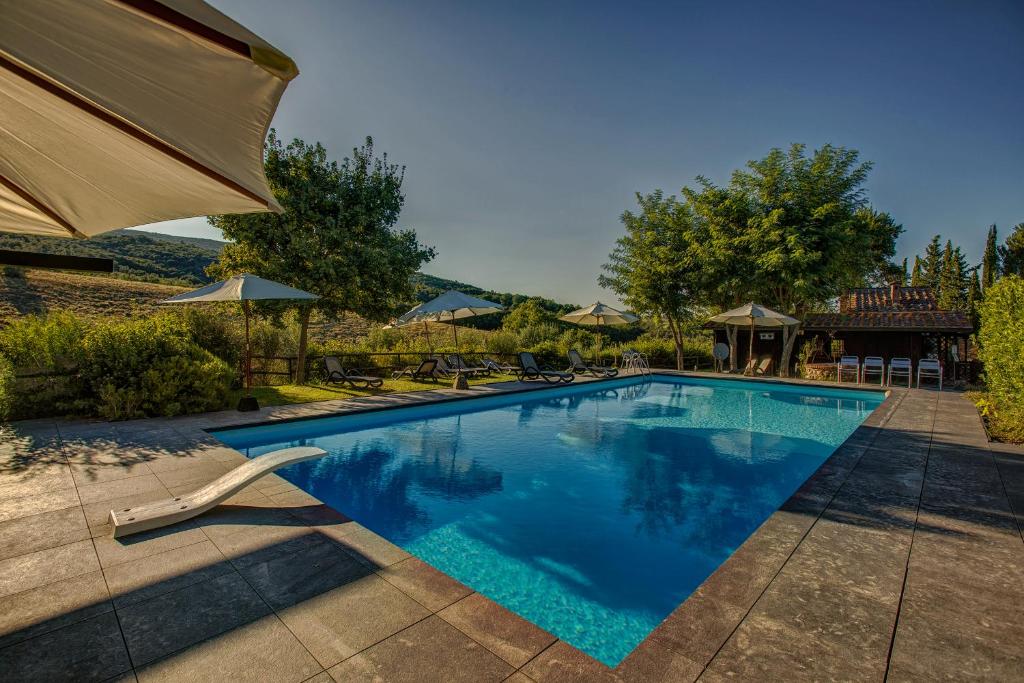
x,y
197,475
46,566
113,551
90,650
433,589
39,479
152,576
507,635
35,503
119,488
301,569
96,473
428,651
158,627
263,650
656,662
45,530
698,627
562,663
763,649
338,623
47,608
372,549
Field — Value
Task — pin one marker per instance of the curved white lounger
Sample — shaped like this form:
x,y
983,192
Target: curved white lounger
x,y
155,515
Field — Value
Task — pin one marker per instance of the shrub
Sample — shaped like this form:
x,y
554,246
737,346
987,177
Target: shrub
x,y
48,347
6,388
149,366
1001,340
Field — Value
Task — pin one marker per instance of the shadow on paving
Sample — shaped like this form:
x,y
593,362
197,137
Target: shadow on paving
x,y
211,579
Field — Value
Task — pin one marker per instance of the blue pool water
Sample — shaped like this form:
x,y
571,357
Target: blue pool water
x,y
592,511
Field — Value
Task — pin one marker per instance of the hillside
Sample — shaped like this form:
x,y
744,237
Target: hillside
x,y
182,260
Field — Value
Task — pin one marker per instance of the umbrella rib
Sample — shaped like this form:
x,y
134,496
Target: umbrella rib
x,y
40,207
122,125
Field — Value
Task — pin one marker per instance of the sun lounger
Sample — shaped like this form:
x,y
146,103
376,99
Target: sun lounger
x,y
764,365
899,367
426,370
577,365
530,370
503,368
846,365
873,365
929,368
337,374
459,363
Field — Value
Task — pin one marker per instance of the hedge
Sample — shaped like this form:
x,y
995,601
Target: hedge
x,y
1001,341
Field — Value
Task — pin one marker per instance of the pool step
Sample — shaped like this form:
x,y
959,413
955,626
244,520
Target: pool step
x,y
163,513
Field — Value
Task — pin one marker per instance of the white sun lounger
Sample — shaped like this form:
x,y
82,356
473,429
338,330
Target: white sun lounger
x,y
166,512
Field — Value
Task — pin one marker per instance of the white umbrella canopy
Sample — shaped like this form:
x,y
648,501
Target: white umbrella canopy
x,y
599,314
451,305
115,113
754,315
243,288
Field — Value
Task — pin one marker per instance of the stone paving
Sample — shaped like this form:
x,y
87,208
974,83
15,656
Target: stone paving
x,y
901,558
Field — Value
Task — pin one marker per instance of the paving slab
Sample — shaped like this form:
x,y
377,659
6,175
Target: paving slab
x,y
504,633
90,650
24,535
41,567
47,608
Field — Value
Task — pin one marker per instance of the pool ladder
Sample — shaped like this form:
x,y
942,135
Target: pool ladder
x,y
636,362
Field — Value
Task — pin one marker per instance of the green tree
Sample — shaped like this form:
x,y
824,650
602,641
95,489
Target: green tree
x,y
795,230
916,276
931,264
529,313
1011,254
953,280
336,236
990,260
662,266
974,297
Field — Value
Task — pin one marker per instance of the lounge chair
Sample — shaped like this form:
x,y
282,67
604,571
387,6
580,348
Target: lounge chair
x,y
764,365
899,367
337,374
446,370
495,366
530,370
873,365
848,364
459,363
577,365
426,370
929,368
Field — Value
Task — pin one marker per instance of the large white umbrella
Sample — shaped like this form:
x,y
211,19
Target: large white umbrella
x,y
598,314
451,305
243,288
115,113
754,315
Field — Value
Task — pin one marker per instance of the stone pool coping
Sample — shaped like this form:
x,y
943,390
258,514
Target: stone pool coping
x,y
834,584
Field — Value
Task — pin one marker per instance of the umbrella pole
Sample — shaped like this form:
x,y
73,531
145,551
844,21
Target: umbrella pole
x,y
750,351
426,333
460,379
247,402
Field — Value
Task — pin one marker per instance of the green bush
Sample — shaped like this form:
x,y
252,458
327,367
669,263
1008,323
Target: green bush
x,y
149,366
6,388
48,348
1001,341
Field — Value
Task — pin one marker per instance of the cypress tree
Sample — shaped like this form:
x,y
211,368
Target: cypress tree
x,y
974,297
932,265
990,261
916,278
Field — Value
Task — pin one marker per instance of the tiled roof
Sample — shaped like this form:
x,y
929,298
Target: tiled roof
x,y
881,299
921,321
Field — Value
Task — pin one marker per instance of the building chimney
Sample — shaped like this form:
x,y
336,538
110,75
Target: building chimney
x,y
894,293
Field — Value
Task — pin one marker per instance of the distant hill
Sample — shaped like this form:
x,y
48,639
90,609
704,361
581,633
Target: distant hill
x,y
152,256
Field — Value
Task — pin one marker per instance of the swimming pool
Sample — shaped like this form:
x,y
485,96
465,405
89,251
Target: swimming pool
x,y
590,510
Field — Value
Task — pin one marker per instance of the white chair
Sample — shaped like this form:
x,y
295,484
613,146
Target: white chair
x,y
929,368
900,367
874,365
848,364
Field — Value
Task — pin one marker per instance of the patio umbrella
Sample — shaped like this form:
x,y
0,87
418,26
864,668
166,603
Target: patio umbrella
x,y
243,288
118,113
410,318
598,314
755,315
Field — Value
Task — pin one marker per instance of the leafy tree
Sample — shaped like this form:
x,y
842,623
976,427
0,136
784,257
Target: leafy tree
x,y
661,266
794,230
336,237
990,260
1012,253
527,314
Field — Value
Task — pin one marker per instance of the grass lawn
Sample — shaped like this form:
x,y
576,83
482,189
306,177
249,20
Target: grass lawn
x,y
307,393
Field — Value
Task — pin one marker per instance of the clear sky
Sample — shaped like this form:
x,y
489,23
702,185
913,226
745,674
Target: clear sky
x,y
527,127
